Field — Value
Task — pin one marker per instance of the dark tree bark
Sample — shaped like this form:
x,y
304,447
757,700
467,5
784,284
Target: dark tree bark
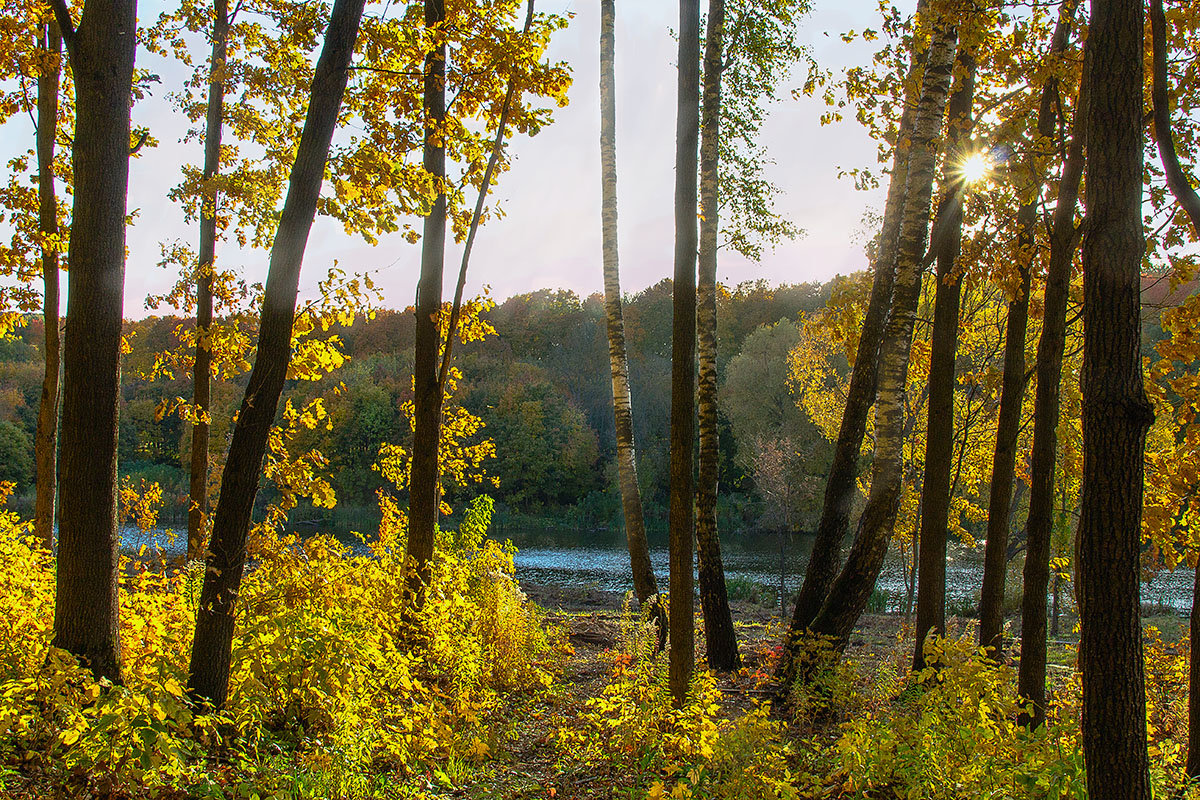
x,y
46,437
211,648
939,438
427,394
644,584
852,588
1031,679
201,380
1012,389
86,605
720,639
681,518
1116,412
841,484
1177,180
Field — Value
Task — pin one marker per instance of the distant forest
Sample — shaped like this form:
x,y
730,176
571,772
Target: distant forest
x,y
540,385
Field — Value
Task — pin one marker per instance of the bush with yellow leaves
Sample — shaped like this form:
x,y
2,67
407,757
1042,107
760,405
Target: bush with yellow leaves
x,y
632,730
331,685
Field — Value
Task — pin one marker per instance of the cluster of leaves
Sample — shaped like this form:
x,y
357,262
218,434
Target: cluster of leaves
x,y
332,682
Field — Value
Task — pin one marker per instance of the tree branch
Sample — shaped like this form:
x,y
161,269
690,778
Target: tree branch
x,y
1176,179
62,15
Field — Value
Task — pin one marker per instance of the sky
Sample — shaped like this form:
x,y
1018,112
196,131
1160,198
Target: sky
x,y
550,234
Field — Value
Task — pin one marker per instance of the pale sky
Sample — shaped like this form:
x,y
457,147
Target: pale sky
x,y
551,234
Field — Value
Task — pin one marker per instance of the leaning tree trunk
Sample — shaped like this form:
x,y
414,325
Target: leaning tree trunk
x,y
1031,677
427,394
644,584
201,379
211,648
841,484
1190,200
852,588
681,519
46,438
1116,412
86,607
1012,389
719,636
939,438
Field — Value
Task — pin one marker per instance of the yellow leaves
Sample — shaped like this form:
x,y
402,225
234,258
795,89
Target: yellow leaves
x,y
140,504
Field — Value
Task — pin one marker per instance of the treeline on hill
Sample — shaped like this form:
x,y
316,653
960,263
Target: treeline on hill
x,y
540,385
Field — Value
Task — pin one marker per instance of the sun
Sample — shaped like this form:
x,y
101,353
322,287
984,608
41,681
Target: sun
x,y
976,167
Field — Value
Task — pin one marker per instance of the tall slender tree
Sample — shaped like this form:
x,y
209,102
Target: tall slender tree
x,y
1012,388
681,514
841,483
206,261
720,639
46,437
427,395
1116,412
211,647
939,437
1064,240
86,608
644,584
850,590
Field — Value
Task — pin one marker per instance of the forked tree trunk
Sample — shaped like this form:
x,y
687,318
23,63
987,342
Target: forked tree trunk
x,y
1116,412
211,648
841,484
934,514
852,588
1031,677
86,607
427,394
46,438
719,636
681,517
644,584
1012,390
201,380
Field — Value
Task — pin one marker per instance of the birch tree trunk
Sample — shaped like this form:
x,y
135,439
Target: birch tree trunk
x,y
852,588
211,647
720,639
644,584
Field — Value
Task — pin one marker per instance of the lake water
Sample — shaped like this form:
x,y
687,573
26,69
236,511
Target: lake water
x,y
599,559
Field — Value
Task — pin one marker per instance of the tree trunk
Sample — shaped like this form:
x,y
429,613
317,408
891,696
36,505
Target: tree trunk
x,y
46,438
1031,679
681,519
1176,178
86,607
226,560
1012,389
719,637
939,438
841,484
427,395
1116,412
644,584
852,588
1193,753
201,380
